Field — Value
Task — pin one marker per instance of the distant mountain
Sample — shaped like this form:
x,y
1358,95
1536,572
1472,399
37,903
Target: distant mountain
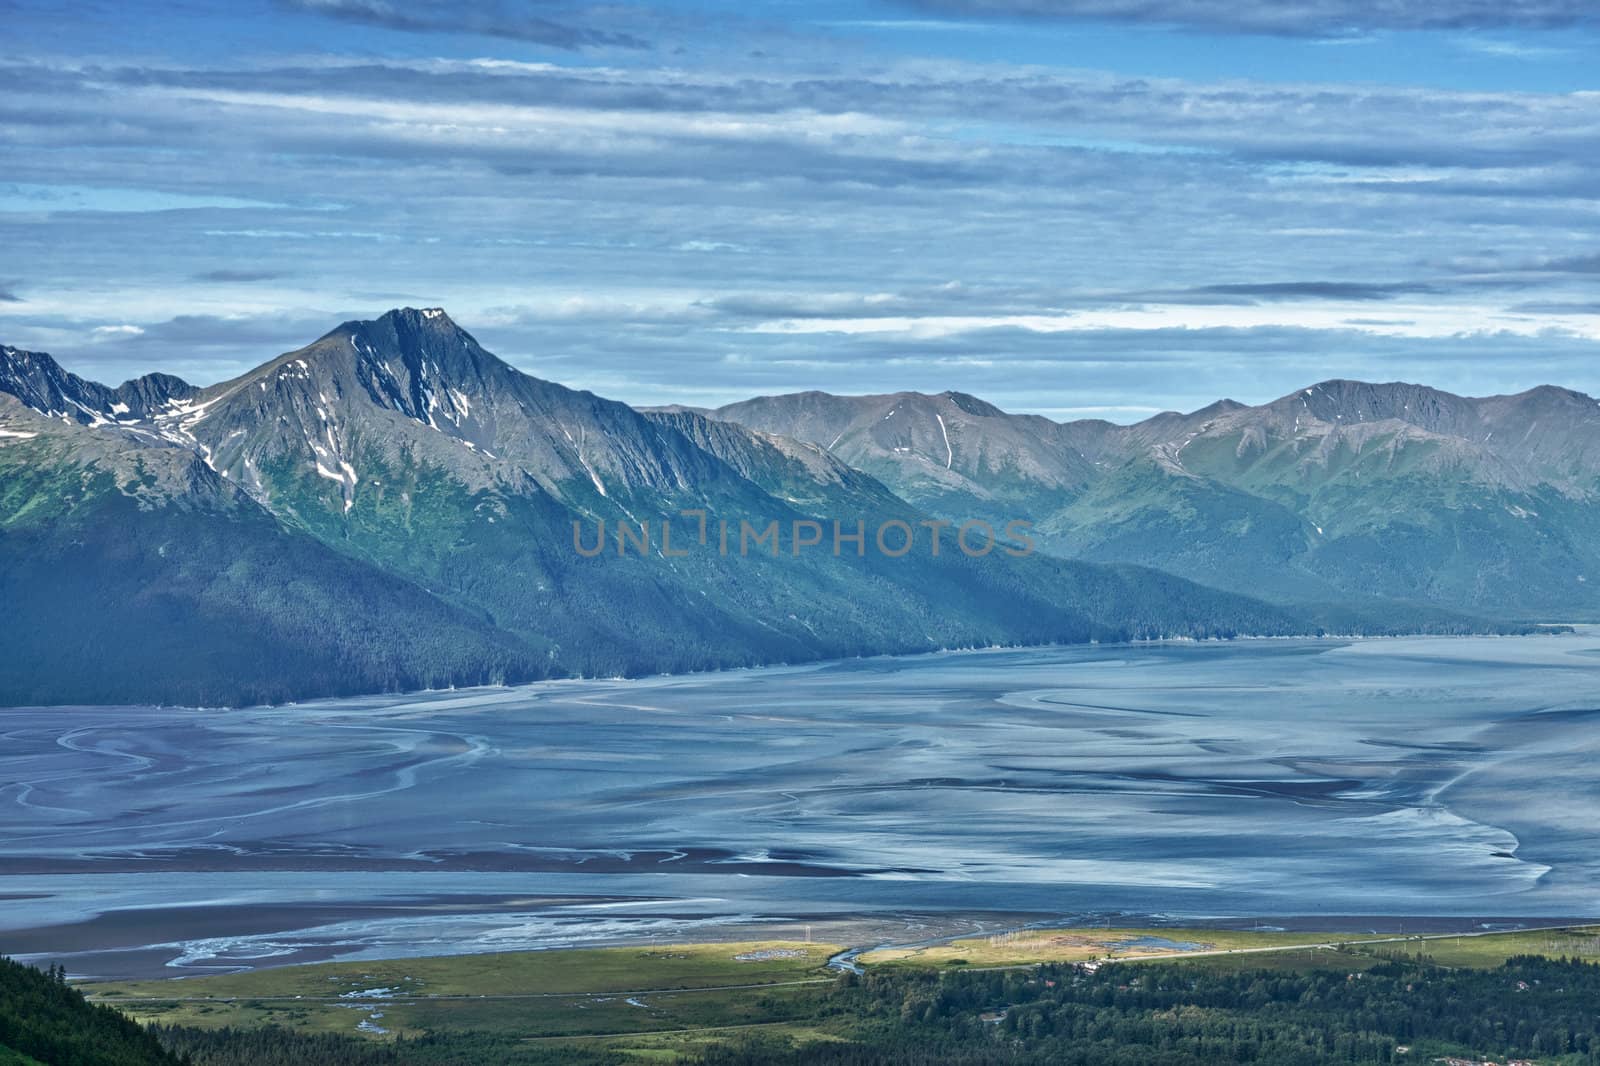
x,y
1341,491
393,507
950,452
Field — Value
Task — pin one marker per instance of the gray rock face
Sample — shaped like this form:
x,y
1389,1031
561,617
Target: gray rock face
x,y
412,386
40,383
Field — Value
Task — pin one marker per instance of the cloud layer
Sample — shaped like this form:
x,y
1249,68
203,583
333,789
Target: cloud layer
x,y
559,26
1291,17
806,214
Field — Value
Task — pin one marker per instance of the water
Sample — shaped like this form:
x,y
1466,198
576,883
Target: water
x,y
1263,778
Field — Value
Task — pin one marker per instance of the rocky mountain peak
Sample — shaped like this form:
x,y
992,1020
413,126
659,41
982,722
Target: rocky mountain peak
x,y
44,385
1351,402
435,317
416,361
1219,407
40,382
972,405
146,395
1553,398
427,340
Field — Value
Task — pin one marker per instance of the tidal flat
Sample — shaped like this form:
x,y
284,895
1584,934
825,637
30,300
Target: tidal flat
x,y
1308,782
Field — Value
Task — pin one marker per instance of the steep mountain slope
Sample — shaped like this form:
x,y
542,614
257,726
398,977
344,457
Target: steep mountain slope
x,y
392,506
132,572
1345,489
950,452
1113,602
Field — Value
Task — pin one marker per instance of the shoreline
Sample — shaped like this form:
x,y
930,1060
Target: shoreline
x,y
862,933
1529,630
847,940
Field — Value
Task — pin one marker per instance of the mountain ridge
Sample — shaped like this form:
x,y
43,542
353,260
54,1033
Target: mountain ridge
x,y
1494,498
44,385
392,506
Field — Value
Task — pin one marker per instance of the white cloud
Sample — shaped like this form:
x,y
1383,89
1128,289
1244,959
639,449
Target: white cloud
x,y
491,120
1409,320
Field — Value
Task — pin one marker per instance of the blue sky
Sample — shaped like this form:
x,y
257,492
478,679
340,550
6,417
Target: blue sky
x,y
1076,207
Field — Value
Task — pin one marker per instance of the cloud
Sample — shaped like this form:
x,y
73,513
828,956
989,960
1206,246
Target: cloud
x,y
1573,264
802,305
549,24
701,245
629,226
1457,302
1557,307
948,297
8,292
1026,371
1314,290
960,125
25,197
201,349
236,275
1290,18
1510,49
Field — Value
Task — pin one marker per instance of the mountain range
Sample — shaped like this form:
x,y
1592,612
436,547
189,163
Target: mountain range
x,y
1343,491
392,507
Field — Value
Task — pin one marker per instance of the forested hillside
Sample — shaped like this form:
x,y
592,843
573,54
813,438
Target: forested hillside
x,y
44,1021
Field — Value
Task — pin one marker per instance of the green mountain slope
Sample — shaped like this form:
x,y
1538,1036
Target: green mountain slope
x,y
1343,492
135,573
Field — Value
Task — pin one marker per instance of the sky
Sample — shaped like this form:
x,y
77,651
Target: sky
x,y
1080,208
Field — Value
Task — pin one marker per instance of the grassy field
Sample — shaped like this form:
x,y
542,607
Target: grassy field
x,y
513,973
1581,942
656,1003
1080,945
525,1018
532,994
